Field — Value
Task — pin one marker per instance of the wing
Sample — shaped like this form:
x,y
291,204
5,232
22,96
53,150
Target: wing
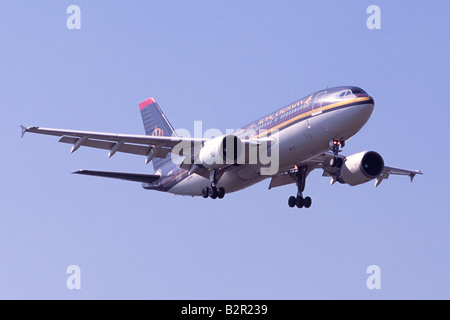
x,y
148,146
144,145
396,171
322,161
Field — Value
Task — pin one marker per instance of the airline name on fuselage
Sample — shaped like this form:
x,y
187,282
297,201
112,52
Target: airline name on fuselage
x,y
275,117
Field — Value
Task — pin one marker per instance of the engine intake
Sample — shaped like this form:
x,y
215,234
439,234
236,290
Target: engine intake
x,y
361,167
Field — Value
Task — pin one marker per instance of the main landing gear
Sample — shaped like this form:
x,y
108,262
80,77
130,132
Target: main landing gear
x,y
337,162
213,192
299,201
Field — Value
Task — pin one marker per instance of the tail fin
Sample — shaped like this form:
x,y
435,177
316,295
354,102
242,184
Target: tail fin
x,y
156,124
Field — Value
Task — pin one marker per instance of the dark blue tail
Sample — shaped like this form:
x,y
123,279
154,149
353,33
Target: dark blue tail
x,y
156,124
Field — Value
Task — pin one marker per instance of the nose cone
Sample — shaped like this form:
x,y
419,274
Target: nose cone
x,y
369,104
365,109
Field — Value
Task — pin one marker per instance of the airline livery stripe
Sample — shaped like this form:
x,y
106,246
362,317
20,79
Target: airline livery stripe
x,y
308,112
174,177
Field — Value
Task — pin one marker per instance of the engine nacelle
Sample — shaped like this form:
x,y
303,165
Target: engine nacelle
x,y
221,151
361,167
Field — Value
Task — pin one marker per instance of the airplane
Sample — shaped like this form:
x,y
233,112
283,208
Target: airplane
x,y
305,135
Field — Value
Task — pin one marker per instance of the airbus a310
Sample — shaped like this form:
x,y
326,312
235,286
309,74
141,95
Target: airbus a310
x,y
283,146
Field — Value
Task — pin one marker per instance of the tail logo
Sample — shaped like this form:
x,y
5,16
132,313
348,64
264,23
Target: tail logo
x,y
158,132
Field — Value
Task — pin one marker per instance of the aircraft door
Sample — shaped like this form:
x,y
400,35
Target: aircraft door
x,y
317,105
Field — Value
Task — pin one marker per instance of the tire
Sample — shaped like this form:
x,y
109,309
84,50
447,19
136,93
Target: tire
x,y
205,192
292,201
333,162
220,193
213,193
336,162
300,202
308,202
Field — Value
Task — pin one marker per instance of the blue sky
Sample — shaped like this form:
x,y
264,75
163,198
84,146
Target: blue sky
x,y
225,63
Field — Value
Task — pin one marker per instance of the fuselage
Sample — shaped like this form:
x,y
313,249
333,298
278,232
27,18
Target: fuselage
x,y
302,129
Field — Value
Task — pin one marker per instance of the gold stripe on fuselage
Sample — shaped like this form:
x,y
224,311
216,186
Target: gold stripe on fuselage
x,y
307,114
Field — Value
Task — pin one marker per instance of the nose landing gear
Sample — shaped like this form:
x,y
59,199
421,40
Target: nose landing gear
x,y
336,162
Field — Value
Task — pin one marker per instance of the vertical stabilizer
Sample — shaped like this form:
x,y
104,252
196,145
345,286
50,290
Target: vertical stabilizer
x,y
156,124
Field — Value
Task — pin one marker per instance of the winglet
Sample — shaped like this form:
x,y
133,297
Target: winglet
x,y
24,130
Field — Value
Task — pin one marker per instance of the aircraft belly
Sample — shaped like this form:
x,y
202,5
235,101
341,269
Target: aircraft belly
x,y
191,186
240,178
231,181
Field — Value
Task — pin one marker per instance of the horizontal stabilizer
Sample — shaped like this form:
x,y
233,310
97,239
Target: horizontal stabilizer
x,y
135,177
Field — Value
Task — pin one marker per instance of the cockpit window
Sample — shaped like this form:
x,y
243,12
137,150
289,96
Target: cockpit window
x,y
345,93
348,92
358,91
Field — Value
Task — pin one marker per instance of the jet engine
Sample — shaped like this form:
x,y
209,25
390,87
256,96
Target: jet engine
x,y
361,167
221,151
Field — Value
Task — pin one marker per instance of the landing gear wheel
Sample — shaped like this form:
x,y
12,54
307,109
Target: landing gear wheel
x,y
336,162
205,192
300,202
292,201
220,193
333,162
213,193
307,202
